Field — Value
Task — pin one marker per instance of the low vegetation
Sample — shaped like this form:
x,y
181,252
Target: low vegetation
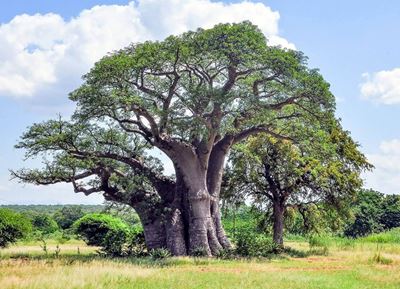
x,y
362,264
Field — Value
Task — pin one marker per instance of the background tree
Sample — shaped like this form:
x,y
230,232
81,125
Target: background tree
x,y
192,97
67,215
373,212
13,226
390,217
322,169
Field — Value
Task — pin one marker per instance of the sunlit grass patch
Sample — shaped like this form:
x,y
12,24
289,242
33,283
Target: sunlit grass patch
x,y
28,267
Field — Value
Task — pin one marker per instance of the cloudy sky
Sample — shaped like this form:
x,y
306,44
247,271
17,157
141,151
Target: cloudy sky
x,y
45,46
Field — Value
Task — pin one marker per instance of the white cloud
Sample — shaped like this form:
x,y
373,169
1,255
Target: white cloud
x,y
42,57
386,175
382,87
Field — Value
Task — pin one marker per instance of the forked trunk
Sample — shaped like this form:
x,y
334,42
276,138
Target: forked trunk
x,y
193,225
200,221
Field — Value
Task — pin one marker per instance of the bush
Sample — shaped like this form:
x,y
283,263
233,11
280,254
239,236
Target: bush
x,y
13,226
249,244
136,245
105,231
43,223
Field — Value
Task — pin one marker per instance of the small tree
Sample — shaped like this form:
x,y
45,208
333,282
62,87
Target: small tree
x,y
373,212
322,169
13,226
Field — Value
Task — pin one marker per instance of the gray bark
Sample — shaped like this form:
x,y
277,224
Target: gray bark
x,y
278,218
202,228
214,181
189,219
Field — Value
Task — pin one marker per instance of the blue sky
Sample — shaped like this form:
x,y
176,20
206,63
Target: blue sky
x,y
355,44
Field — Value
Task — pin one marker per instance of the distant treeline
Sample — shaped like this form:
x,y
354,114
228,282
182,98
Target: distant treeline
x,y
51,209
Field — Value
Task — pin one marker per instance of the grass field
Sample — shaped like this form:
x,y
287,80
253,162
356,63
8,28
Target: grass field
x,y
362,264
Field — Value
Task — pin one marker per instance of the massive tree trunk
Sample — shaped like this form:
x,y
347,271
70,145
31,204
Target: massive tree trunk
x,y
214,180
183,216
199,206
278,219
163,226
201,227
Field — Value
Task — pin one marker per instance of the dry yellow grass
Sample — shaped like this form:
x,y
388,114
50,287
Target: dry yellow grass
x,y
342,268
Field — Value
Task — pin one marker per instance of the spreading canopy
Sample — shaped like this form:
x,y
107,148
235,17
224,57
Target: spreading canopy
x,y
193,97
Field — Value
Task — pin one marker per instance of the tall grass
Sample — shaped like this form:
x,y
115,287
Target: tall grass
x,y
392,236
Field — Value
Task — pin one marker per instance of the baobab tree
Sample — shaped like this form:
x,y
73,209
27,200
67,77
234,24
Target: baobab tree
x,y
192,97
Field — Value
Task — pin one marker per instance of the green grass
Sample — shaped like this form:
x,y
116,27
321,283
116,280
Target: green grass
x,y
392,236
362,264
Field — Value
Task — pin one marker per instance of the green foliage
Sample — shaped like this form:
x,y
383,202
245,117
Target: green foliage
x,y
122,211
390,217
373,212
222,81
114,241
13,226
392,236
198,90
67,215
51,209
103,230
312,219
113,235
250,244
313,181
241,218
136,245
42,222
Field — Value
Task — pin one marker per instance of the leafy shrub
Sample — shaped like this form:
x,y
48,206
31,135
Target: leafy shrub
x,y
43,223
13,226
114,241
250,244
136,245
105,231
159,253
